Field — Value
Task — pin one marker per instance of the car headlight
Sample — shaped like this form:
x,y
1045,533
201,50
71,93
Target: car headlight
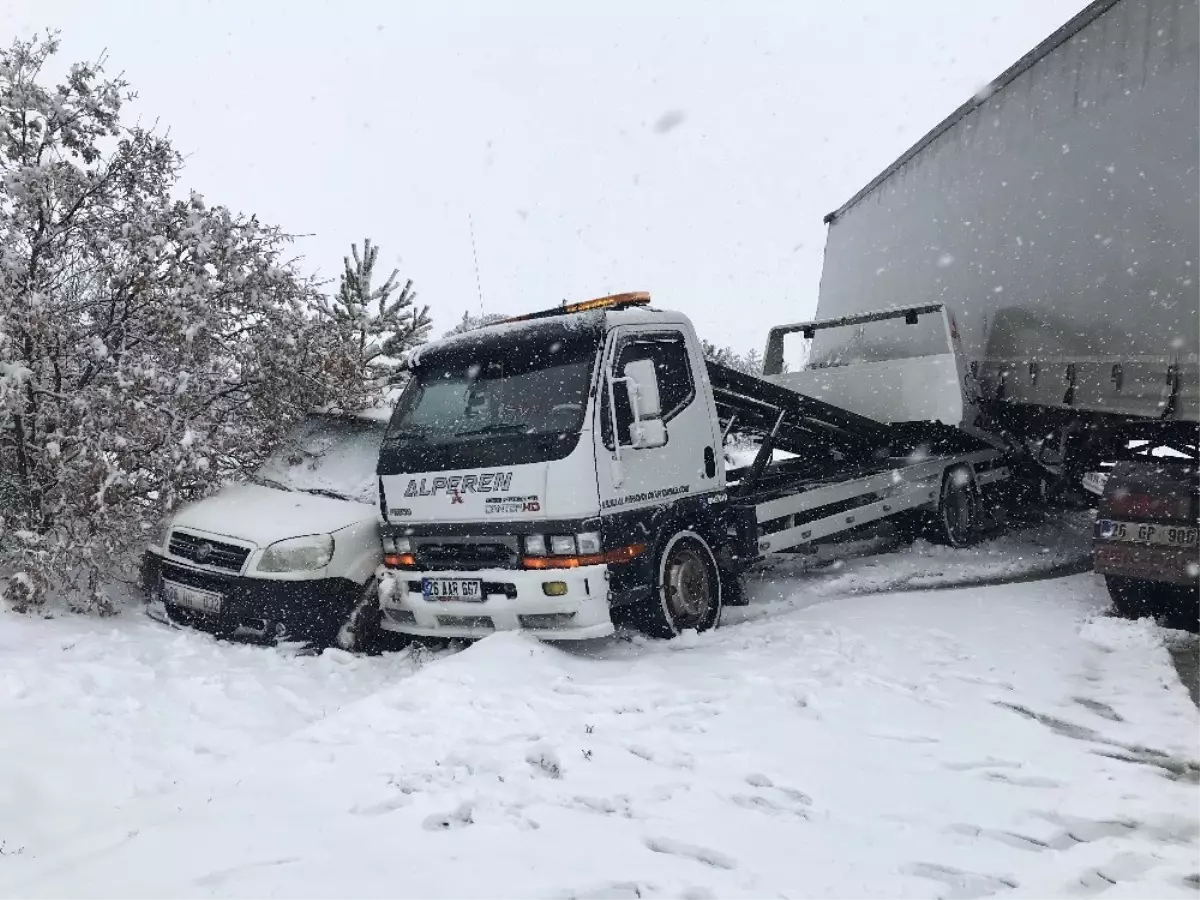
x,y
160,532
297,554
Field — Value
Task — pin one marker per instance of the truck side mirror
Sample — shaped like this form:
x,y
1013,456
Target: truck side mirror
x,y
647,429
642,384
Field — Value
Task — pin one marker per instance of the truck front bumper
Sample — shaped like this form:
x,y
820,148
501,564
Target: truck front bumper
x,y
513,599
311,609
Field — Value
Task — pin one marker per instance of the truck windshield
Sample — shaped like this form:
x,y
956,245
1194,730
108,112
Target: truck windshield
x,y
509,395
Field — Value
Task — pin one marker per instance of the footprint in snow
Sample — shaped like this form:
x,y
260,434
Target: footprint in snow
x,y
214,879
963,885
905,737
1029,781
669,760
1122,867
759,803
1101,709
544,761
705,855
611,890
988,762
459,818
381,808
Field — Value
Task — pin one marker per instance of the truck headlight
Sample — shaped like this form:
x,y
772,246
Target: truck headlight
x,y
397,544
589,542
535,544
562,544
297,554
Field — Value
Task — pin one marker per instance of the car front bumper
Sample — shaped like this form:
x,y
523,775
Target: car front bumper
x,y
305,610
514,599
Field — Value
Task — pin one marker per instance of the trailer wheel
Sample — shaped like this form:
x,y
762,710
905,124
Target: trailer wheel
x,y
957,523
687,588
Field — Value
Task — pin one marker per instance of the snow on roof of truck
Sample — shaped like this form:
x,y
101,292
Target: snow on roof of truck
x,y
571,315
1073,26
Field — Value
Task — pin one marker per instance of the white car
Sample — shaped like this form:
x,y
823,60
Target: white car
x,y
291,554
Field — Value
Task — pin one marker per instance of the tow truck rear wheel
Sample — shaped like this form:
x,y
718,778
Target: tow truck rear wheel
x,y
687,589
957,521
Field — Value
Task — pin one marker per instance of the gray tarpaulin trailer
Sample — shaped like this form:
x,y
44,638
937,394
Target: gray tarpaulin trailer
x,y
1055,215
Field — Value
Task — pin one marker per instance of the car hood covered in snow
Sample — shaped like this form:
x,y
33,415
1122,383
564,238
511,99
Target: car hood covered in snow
x,y
263,515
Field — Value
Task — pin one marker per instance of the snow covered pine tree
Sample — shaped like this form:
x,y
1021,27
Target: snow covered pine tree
x,y
149,347
470,323
380,330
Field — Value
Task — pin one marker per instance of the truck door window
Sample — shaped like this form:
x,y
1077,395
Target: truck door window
x,y
668,351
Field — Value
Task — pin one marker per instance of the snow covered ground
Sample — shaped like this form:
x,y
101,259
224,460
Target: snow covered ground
x,y
835,739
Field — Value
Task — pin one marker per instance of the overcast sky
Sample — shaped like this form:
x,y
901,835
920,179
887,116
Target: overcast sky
x,y
685,148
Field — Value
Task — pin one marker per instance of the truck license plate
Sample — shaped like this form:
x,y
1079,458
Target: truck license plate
x,y
470,589
1147,533
192,598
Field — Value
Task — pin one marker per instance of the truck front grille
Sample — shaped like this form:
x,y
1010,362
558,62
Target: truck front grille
x,y
442,554
207,552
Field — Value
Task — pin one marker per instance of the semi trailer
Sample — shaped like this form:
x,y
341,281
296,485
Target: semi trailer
x,y
1056,212
564,471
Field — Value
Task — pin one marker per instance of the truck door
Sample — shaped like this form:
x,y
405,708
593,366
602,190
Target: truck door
x,y
687,463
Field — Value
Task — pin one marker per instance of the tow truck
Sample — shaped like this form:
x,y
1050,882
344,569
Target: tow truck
x,y
563,471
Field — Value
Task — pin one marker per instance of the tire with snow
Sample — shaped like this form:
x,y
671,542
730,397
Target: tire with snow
x,y
360,632
956,523
1130,596
687,588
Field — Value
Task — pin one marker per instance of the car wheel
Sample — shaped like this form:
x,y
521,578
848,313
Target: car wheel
x,y
1132,598
360,631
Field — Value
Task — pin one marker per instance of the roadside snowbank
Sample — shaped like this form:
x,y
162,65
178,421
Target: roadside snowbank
x,y
98,714
987,741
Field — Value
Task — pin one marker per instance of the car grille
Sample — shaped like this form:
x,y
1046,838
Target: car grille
x,y
207,552
205,581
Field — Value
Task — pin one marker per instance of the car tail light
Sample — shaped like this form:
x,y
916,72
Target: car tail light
x,y
1150,506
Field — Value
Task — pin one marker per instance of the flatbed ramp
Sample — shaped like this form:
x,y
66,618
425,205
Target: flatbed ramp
x,y
848,470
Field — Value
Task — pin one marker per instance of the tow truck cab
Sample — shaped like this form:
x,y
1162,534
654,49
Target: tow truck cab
x,y
521,488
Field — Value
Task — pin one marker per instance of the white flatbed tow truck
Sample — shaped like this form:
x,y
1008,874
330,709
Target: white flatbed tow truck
x,y
564,470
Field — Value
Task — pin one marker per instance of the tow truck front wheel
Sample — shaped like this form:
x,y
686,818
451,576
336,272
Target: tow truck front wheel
x,y
687,590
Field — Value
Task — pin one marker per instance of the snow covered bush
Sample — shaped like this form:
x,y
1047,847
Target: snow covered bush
x,y
150,346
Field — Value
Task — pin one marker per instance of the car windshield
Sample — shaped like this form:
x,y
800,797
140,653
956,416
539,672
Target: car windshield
x,y
327,455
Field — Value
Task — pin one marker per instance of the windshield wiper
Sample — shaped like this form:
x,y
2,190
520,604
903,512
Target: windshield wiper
x,y
407,436
270,482
324,492
496,428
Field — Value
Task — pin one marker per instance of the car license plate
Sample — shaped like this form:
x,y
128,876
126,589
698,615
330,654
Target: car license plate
x,y
470,589
1148,533
190,597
